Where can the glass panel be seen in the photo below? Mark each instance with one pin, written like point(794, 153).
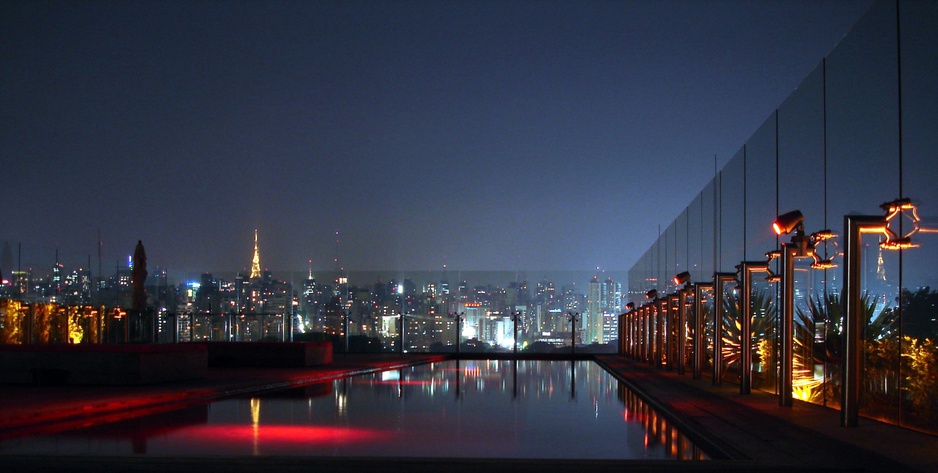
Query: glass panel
point(801, 153)
point(680, 244)
point(669, 259)
point(731, 333)
point(919, 296)
point(732, 215)
point(695, 242)
point(763, 324)
point(705, 310)
point(707, 230)
point(761, 205)
point(863, 172)
point(657, 263)
point(801, 186)
point(689, 331)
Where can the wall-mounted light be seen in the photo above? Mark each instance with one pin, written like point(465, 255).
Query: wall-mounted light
point(682, 278)
point(788, 222)
point(892, 209)
point(651, 294)
point(817, 238)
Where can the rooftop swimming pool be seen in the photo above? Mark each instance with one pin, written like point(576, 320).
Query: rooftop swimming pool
point(454, 409)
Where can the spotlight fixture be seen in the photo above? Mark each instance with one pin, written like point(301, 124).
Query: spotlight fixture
point(786, 223)
point(630, 306)
point(771, 255)
point(651, 294)
point(681, 278)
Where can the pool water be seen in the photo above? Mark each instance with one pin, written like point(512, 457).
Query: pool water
point(454, 409)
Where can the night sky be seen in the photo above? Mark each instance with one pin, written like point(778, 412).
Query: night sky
point(509, 135)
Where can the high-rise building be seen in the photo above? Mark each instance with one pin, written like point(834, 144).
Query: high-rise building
point(611, 304)
point(592, 320)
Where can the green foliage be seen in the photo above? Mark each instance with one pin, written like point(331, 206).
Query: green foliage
point(919, 310)
point(762, 325)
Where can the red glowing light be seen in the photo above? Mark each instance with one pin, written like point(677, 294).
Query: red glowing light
point(284, 435)
point(777, 228)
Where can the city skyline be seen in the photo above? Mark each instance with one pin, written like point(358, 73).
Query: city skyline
point(498, 136)
point(542, 313)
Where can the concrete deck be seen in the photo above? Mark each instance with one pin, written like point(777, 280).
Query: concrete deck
point(754, 428)
point(752, 432)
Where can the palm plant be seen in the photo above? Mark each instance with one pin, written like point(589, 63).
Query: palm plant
point(825, 312)
point(762, 326)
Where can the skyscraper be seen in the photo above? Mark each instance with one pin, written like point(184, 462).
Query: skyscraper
point(593, 321)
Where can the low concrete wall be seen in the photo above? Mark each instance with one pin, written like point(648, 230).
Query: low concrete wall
point(101, 364)
point(268, 354)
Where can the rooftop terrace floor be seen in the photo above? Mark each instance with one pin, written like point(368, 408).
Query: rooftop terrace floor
point(752, 431)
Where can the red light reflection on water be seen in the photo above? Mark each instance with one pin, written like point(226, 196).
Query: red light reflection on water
point(285, 435)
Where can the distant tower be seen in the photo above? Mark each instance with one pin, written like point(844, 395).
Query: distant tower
point(256, 262)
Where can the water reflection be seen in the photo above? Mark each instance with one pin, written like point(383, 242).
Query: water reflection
point(484, 409)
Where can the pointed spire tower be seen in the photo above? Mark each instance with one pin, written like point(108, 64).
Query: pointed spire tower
point(256, 262)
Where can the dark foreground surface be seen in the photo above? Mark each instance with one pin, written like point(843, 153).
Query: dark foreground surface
point(751, 433)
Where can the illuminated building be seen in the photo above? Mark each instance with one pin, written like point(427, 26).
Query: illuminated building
point(256, 261)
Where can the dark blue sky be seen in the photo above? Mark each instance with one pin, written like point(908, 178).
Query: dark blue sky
point(481, 135)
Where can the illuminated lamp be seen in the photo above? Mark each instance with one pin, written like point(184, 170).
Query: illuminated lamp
point(892, 209)
point(824, 264)
point(896, 206)
point(822, 235)
point(771, 255)
point(630, 306)
point(898, 244)
point(651, 294)
point(786, 223)
point(681, 279)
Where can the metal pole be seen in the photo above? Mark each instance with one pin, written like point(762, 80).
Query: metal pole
point(787, 324)
point(681, 329)
point(346, 314)
point(514, 318)
point(573, 334)
point(400, 335)
point(651, 317)
point(630, 332)
point(458, 331)
point(573, 317)
point(659, 330)
point(854, 228)
point(640, 334)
